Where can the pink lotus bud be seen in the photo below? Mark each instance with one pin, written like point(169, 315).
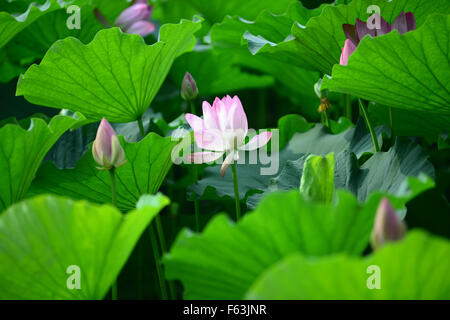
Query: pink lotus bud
point(106, 150)
point(388, 227)
point(189, 89)
point(135, 18)
point(348, 49)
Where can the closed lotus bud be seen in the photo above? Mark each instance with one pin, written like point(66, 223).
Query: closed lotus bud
point(388, 226)
point(106, 150)
point(189, 89)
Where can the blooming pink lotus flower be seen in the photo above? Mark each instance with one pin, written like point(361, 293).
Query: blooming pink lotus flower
point(223, 130)
point(403, 23)
point(107, 151)
point(388, 227)
point(135, 18)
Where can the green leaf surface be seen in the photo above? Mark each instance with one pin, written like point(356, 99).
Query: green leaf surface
point(390, 172)
point(228, 36)
point(411, 123)
point(149, 160)
point(115, 76)
point(252, 180)
point(12, 24)
point(215, 10)
point(215, 73)
point(318, 43)
point(41, 237)
point(226, 258)
point(415, 268)
point(22, 151)
point(408, 71)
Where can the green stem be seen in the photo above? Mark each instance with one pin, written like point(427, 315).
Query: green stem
point(141, 126)
point(159, 273)
point(192, 107)
point(236, 191)
point(391, 123)
point(114, 291)
point(348, 106)
point(162, 242)
point(327, 120)
point(363, 111)
point(195, 174)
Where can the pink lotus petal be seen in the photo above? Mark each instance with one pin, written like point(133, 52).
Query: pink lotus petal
point(195, 122)
point(143, 28)
point(362, 30)
point(404, 22)
point(209, 140)
point(209, 116)
point(350, 33)
point(132, 14)
point(232, 156)
point(220, 109)
point(204, 157)
point(258, 141)
point(237, 117)
point(347, 51)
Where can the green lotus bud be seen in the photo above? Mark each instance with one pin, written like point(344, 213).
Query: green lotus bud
point(189, 89)
point(106, 150)
point(388, 227)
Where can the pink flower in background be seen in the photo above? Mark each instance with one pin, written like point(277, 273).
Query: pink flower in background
point(223, 130)
point(106, 150)
point(135, 18)
point(355, 33)
point(348, 49)
point(388, 227)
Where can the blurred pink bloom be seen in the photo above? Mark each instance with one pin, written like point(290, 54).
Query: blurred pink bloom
point(106, 150)
point(223, 130)
point(348, 49)
point(388, 227)
point(135, 18)
point(355, 33)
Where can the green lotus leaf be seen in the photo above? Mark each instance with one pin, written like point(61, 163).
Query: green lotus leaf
point(115, 76)
point(401, 267)
point(22, 151)
point(47, 242)
point(226, 258)
point(149, 160)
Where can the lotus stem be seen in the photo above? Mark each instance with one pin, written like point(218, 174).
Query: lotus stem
point(156, 256)
point(391, 123)
point(141, 126)
point(236, 191)
point(162, 242)
point(114, 291)
point(369, 125)
point(348, 106)
point(195, 174)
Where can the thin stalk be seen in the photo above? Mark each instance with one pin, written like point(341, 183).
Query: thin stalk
point(391, 123)
point(195, 174)
point(348, 106)
point(363, 111)
point(114, 290)
point(159, 273)
point(141, 126)
point(162, 243)
point(327, 119)
point(236, 191)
